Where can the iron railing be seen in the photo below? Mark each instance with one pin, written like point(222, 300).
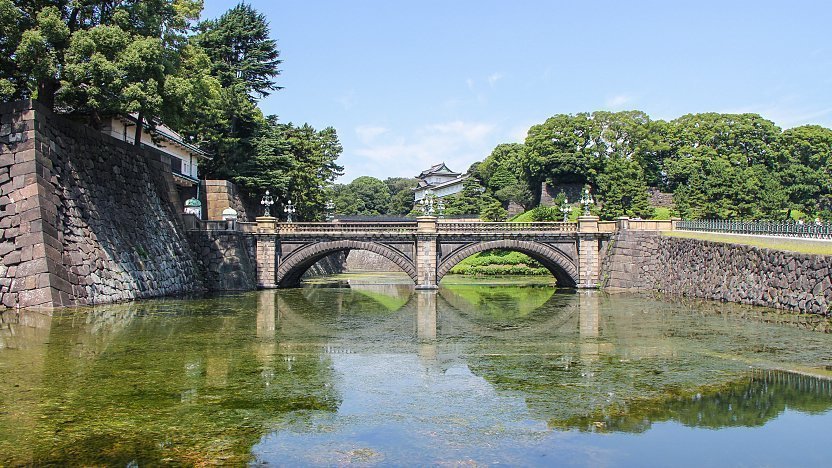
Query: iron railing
point(469, 228)
point(816, 230)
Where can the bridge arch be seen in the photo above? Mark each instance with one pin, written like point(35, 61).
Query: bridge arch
point(558, 263)
point(292, 268)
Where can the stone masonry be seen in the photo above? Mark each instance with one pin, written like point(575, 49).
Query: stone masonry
point(227, 258)
point(719, 271)
point(85, 218)
point(221, 194)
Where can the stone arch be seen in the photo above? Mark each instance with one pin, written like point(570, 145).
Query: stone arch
point(292, 268)
point(558, 263)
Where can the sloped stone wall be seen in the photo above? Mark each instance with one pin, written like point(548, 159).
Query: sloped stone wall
point(227, 259)
point(719, 271)
point(85, 218)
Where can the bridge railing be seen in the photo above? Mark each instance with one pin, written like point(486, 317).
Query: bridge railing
point(347, 228)
point(449, 227)
point(816, 230)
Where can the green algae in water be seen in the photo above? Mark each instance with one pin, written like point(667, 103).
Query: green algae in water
point(374, 374)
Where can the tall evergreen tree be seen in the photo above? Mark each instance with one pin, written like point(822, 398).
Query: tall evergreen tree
point(241, 50)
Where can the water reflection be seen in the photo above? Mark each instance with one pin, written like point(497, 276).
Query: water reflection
point(383, 374)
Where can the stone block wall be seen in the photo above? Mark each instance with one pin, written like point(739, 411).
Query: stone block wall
point(364, 260)
point(227, 259)
point(548, 192)
point(221, 194)
point(85, 218)
point(718, 271)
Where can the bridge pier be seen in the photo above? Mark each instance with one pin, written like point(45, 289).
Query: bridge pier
point(267, 252)
point(589, 252)
point(426, 252)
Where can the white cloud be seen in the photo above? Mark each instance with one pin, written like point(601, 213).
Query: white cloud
point(348, 100)
point(368, 133)
point(494, 78)
point(616, 102)
point(786, 114)
point(457, 143)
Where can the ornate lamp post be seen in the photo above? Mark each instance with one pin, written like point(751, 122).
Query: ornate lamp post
point(267, 202)
point(428, 203)
point(289, 209)
point(440, 208)
point(565, 209)
point(329, 207)
point(586, 201)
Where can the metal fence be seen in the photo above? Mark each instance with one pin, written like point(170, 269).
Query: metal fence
point(816, 230)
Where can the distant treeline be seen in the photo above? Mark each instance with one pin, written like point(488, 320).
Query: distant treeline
point(737, 166)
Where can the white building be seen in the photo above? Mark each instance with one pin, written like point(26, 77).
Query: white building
point(440, 180)
point(184, 156)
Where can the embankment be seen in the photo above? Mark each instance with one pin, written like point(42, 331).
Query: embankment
point(718, 271)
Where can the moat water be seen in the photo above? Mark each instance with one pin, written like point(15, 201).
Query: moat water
point(364, 370)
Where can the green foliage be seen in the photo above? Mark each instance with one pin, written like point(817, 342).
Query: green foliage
point(401, 195)
point(366, 196)
point(499, 262)
point(468, 201)
point(295, 164)
point(623, 190)
point(107, 57)
point(546, 213)
point(724, 166)
point(716, 165)
point(806, 157)
point(492, 210)
point(93, 56)
point(241, 50)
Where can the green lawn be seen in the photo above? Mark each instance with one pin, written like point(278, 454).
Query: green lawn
point(816, 247)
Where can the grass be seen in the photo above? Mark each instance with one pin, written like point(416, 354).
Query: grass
point(816, 247)
point(499, 262)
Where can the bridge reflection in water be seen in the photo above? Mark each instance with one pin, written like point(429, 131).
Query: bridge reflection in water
point(206, 380)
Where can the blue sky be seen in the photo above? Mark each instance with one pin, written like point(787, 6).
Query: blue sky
point(408, 84)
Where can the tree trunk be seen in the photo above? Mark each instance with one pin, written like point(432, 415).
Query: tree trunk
point(137, 139)
point(46, 93)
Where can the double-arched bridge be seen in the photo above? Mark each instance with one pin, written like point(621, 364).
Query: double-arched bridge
point(427, 248)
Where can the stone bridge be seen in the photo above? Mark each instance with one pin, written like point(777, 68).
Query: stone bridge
point(427, 248)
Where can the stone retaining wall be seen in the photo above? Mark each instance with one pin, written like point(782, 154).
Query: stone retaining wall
point(719, 271)
point(227, 259)
point(85, 218)
point(364, 260)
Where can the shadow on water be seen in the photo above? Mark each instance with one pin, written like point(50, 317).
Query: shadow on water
point(206, 380)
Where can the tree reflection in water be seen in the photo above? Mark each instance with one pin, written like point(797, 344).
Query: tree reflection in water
point(203, 381)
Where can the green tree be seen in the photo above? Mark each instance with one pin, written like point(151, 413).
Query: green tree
point(492, 210)
point(622, 190)
point(366, 196)
point(241, 50)
point(401, 195)
point(297, 164)
point(467, 201)
point(722, 166)
point(93, 55)
point(806, 168)
point(245, 61)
